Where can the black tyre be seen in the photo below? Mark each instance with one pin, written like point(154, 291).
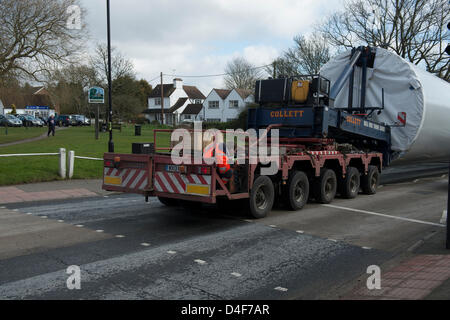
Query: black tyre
point(297, 191)
point(350, 185)
point(369, 182)
point(325, 186)
point(168, 201)
point(262, 196)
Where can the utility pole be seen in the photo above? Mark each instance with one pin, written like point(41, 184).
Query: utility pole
point(162, 99)
point(110, 143)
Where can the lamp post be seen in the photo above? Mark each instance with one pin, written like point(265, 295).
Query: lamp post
point(110, 143)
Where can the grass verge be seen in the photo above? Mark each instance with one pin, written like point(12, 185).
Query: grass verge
point(18, 170)
point(20, 133)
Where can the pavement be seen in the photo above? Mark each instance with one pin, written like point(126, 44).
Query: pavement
point(129, 249)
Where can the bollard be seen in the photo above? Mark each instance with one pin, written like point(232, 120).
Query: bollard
point(62, 163)
point(71, 163)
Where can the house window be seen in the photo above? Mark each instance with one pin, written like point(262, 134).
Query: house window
point(234, 103)
point(213, 104)
point(198, 101)
point(187, 116)
point(157, 101)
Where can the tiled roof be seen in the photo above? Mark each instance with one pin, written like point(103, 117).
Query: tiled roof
point(156, 92)
point(178, 104)
point(192, 108)
point(223, 93)
point(193, 92)
point(244, 93)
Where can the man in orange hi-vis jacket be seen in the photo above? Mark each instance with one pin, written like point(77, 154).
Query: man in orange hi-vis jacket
point(219, 151)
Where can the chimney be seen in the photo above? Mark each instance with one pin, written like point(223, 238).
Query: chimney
point(178, 83)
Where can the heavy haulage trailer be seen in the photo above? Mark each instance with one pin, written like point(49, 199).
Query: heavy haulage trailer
point(323, 151)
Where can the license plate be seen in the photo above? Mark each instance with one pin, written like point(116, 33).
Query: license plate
point(172, 168)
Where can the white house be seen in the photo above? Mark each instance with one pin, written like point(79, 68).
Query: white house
point(223, 105)
point(1, 107)
point(176, 97)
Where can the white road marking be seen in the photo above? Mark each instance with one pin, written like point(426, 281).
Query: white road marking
point(366, 248)
point(15, 210)
point(99, 231)
point(105, 196)
point(29, 213)
point(200, 261)
point(43, 217)
point(300, 231)
point(120, 236)
point(145, 244)
point(281, 289)
point(60, 220)
point(2, 207)
point(415, 181)
point(236, 274)
point(248, 220)
point(334, 240)
point(272, 226)
point(79, 225)
point(171, 252)
point(384, 215)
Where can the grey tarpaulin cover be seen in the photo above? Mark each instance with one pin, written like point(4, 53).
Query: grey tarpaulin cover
point(407, 88)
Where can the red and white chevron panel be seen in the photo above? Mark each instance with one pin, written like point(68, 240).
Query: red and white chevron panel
point(175, 182)
point(129, 178)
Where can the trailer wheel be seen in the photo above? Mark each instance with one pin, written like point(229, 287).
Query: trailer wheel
point(297, 190)
point(369, 182)
point(325, 186)
point(351, 183)
point(262, 197)
point(168, 201)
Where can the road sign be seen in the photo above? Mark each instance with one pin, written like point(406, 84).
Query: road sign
point(96, 95)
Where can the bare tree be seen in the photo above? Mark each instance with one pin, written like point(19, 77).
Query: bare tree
point(36, 34)
point(120, 65)
point(307, 56)
point(241, 74)
point(414, 29)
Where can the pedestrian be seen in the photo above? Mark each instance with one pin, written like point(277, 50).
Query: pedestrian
point(51, 125)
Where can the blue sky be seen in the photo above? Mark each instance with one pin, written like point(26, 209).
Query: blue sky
point(196, 37)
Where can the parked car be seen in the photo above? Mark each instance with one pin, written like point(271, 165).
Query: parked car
point(10, 120)
point(65, 121)
point(28, 121)
point(82, 120)
point(43, 120)
point(37, 122)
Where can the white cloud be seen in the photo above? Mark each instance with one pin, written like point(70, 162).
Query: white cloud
point(199, 36)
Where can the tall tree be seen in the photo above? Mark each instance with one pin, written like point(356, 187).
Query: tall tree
point(307, 56)
point(414, 29)
point(120, 65)
point(241, 74)
point(36, 34)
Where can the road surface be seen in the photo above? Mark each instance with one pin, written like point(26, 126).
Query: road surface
point(129, 249)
